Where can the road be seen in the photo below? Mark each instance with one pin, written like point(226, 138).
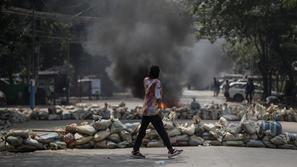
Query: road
point(203, 97)
point(204, 156)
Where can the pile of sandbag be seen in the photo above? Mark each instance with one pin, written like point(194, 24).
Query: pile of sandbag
point(20, 141)
point(211, 112)
point(134, 113)
point(105, 133)
point(9, 116)
point(112, 133)
point(272, 112)
point(79, 111)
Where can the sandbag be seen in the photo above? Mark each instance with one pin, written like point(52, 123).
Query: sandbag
point(155, 144)
point(86, 130)
point(59, 110)
point(102, 124)
point(32, 142)
point(255, 143)
point(182, 138)
point(252, 137)
point(230, 137)
point(126, 136)
point(209, 127)
point(271, 128)
point(117, 126)
point(57, 145)
point(24, 148)
point(188, 130)
point(267, 143)
point(151, 134)
point(222, 121)
point(114, 138)
point(123, 144)
point(291, 138)
point(69, 139)
point(195, 141)
point(133, 127)
point(78, 136)
point(182, 143)
point(19, 133)
point(71, 128)
point(101, 135)
point(249, 126)
point(279, 140)
point(174, 132)
point(111, 145)
point(196, 119)
point(47, 138)
point(173, 140)
point(54, 117)
point(234, 128)
point(14, 140)
point(88, 145)
point(234, 143)
point(168, 125)
point(66, 115)
point(83, 140)
point(101, 144)
point(231, 117)
point(43, 114)
point(214, 142)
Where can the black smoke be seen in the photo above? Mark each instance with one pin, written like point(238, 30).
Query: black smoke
point(135, 34)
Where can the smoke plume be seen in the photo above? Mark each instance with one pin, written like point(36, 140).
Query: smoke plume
point(135, 34)
point(208, 60)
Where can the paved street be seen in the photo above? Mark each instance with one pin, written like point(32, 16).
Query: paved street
point(203, 156)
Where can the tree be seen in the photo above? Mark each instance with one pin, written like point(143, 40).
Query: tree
point(16, 42)
point(264, 24)
point(244, 56)
point(13, 43)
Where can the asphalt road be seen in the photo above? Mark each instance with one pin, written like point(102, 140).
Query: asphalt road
point(204, 156)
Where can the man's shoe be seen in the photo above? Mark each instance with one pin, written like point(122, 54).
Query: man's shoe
point(174, 153)
point(137, 155)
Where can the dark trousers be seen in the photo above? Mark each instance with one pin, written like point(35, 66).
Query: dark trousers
point(249, 96)
point(158, 124)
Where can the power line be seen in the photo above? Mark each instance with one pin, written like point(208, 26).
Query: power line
point(62, 17)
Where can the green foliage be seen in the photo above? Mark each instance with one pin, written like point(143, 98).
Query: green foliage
point(16, 41)
point(244, 56)
point(263, 25)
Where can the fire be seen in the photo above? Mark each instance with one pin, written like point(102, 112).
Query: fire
point(163, 106)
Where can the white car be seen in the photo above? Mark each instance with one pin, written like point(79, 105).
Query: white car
point(237, 91)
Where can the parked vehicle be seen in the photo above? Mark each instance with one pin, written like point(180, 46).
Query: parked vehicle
point(237, 91)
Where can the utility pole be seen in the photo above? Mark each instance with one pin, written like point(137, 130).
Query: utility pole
point(68, 71)
point(33, 76)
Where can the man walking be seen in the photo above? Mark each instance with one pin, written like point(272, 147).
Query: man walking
point(151, 114)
